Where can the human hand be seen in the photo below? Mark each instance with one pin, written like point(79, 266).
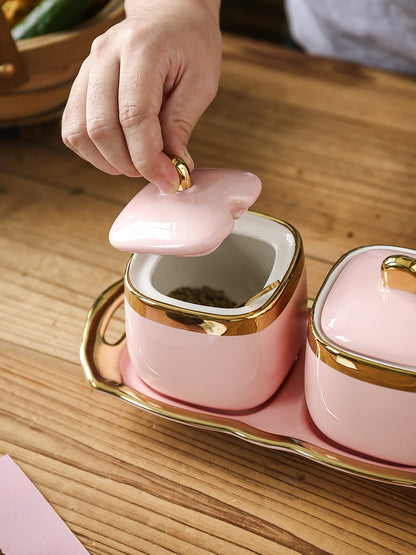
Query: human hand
point(143, 87)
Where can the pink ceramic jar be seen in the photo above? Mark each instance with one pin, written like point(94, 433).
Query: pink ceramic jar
point(360, 369)
point(220, 358)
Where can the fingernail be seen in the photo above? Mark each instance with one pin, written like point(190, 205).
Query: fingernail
point(165, 187)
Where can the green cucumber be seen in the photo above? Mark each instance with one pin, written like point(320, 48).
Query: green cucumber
point(50, 16)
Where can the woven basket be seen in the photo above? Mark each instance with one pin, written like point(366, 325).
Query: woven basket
point(36, 74)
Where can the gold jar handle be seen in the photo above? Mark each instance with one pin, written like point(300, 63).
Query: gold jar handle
point(185, 180)
point(399, 272)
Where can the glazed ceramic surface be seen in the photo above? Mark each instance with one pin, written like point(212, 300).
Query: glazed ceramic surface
point(193, 222)
point(283, 423)
point(360, 371)
point(231, 359)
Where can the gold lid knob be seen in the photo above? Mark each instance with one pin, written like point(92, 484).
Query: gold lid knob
point(399, 272)
point(185, 180)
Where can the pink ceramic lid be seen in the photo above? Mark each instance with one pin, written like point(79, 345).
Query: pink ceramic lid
point(191, 222)
point(368, 305)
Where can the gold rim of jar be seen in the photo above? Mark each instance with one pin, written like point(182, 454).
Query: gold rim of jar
point(218, 324)
point(352, 364)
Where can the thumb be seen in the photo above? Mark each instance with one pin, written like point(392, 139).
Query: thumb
point(180, 113)
point(176, 131)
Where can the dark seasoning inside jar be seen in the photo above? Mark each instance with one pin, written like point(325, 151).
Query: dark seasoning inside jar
point(204, 295)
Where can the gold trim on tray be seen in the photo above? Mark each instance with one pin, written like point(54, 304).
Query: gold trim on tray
point(101, 363)
point(218, 324)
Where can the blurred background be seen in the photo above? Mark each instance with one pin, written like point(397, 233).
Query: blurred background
point(259, 19)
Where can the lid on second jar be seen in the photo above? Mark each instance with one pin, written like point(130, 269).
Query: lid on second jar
point(367, 305)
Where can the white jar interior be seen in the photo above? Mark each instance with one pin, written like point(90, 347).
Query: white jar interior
point(256, 253)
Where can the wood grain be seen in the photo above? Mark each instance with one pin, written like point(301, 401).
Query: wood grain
point(334, 146)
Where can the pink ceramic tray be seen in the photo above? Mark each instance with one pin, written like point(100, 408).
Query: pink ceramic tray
point(282, 423)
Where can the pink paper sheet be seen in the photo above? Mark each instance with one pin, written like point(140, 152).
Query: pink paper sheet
point(28, 524)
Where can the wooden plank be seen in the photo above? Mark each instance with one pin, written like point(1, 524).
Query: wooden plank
point(179, 488)
point(334, 147)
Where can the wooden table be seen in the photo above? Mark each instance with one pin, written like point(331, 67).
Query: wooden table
point(334, 145)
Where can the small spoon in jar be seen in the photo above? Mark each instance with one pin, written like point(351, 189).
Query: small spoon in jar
point(265, 290)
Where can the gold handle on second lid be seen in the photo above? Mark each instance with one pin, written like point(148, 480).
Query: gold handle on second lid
point(185, 180)
point(399, 272)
